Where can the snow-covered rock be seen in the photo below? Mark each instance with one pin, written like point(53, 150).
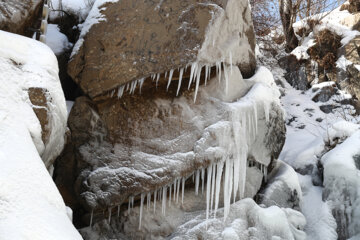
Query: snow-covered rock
point(283, 188)
point(342, 184)
point(246, 221)
point(174, 35)
point(30, 96)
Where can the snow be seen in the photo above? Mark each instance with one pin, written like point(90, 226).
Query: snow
point(30, 205)
point(37, 67)
point(77, 8)
point(56, 40)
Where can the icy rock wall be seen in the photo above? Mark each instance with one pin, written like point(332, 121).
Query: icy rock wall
point(30, 204)
point(342, 185)
point(157, 36)
point(150, 143)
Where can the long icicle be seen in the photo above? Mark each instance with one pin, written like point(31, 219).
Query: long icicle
point(197, 179)
point(91, 217)
point(170, 78)
point(155, 193)
point(212, 187)
point(219, 170)
point(141, 208)
point(198, 75)
point(208, 185)
point(180, 80)
point(192, 72)
point(182, 190)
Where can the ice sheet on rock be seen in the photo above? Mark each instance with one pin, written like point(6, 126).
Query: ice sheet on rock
point(30, 205)
point(220, 135)
point(245, 220)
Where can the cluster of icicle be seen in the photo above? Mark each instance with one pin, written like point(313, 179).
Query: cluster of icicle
point(228, 174)
point(195, 74)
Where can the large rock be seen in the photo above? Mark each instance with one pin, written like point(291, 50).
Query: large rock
point(32, 126)
point(133, 40)
point(17, 16)
point(141, 143)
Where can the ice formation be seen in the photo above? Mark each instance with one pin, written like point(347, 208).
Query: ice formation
point(245, 101)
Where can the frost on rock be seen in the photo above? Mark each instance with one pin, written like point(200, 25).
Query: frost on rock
point(283, 188)
point(165, 142)
point(246, 220)
point(342, 185)
point(30, 204)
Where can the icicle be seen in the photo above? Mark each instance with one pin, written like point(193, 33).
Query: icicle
point(163, 208)
point(218, 70)
point(209, 73)
point(265, 174)
point(197, 178)
point(118, 211)
point(206, 73)
point(198, 74)
point(132, 201)
point(129, 206)
point(170, 78)
point(177, 191)
point(226, 74)
point(231, 65)
point(226, 188)
point(141, 82)
point(212, 187)
point(219, 170)
point(121, 91)
point(182, 190)
point(112, 93)
point(141, 209)
point(192, 72)
point(180, 80)
point(170, 195)
point(133, 86)
point(109, 219)
point(208, 184)
point(91, 217)
point(202, 180)
point(157, 79)
point(148, 201)
point(153, 76)
point(155, 193)
point(127, 86)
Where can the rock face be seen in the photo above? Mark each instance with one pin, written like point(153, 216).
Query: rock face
point(18, 16)
point(166, 100)
point(142, 143)
point(142, 38)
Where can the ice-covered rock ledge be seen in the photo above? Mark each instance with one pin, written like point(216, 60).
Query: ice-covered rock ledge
point(155, 142)
point(32, 127)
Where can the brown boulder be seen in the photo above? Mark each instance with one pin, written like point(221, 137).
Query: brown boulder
point(142, 38)
point(17, 16)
